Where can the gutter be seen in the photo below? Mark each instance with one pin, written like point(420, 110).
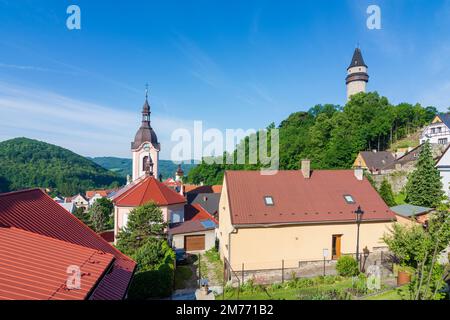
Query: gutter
point(269, 225)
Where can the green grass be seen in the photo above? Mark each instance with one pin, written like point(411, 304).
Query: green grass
point(393, 294)
point(182, 274)
point(283, 293)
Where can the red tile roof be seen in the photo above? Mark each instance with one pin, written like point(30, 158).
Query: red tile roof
point(34, 211)
point(319, 199)
point(103, 192)
point(34, 267)
point(147, 190)
point(190, 188)
point(197, 212)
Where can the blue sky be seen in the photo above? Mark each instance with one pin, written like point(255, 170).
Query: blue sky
point(232, 64)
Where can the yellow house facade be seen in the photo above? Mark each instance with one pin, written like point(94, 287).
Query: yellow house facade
point(306, 227)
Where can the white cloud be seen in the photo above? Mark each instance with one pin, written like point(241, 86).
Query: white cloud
point(86, 128)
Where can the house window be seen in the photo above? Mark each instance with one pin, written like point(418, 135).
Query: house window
point(439, 130)
point(125, 220)
point(442, 141)
point(433, 130)
point(349, 199)
point(268, 200)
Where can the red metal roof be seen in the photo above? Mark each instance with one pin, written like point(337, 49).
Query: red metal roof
point(34, 211)
point(319, 199)
point(34, 267)
point(147, 190)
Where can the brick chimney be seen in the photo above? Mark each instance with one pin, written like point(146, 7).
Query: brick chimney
point(359, 173)
point(306, 168)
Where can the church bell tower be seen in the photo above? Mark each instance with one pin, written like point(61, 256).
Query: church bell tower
point(145, 147)
point(357, 76)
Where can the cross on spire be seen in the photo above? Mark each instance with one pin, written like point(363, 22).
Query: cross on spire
point(146, 90)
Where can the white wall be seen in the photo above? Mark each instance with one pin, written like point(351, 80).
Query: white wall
point(435, 132)
point(177, 240)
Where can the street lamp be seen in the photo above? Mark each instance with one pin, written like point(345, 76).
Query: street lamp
point(359, 212)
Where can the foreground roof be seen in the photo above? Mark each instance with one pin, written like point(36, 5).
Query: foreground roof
point(34, 267)
point(34, 211)
point(147, 190)
point(409, 210)
point(319, 199)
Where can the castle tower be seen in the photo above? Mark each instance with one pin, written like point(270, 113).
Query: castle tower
point(179, 174)
point(145, 147)
point(357, 76)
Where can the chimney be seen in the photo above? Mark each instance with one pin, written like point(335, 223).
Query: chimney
point(306, 168)
point(359, 173)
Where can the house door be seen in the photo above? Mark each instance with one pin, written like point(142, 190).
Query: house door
point(194, 243)
point(336, 247)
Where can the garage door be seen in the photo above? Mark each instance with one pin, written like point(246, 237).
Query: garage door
point(194, 243)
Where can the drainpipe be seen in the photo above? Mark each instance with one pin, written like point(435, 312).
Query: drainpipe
point(234, 231)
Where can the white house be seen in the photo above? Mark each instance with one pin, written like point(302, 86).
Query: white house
point(443, 165)
point(438, 132)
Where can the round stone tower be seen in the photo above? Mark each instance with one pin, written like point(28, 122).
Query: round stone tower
point(357, 76)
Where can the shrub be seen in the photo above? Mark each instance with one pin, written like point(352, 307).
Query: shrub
point(153, 281)
point(347, 266)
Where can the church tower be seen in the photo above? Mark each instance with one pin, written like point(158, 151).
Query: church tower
point(357, 76)
point(145, 147)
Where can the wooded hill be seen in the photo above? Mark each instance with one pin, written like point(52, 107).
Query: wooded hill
point(27, 163)
point(331, 136)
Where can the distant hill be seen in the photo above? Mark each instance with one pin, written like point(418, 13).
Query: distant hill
point(122, 166)
point(27, 163)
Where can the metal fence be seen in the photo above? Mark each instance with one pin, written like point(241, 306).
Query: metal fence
point(269, 272)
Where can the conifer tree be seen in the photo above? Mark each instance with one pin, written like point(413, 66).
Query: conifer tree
point(424, 187)
point(386, 193)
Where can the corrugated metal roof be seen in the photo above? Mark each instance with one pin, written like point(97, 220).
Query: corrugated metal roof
point(147, 190)
point(34, 267)
point(319, 199)
point(33, 210)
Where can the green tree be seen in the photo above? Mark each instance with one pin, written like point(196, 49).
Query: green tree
point(418, 247)
point(83, 215)
point(101, 215)
point(386, 193)
point(424, 186)
point(144, 222)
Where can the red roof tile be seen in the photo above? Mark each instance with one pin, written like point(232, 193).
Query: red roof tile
point(103, 192)
point(196, 212)
point(34, 267)
point(190, 188)
point(319, 199)
point(147, 190)
point(34, 211)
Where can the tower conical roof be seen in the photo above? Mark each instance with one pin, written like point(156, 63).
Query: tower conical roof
point(357, 59)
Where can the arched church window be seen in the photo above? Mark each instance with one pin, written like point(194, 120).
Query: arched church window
point(144, 161)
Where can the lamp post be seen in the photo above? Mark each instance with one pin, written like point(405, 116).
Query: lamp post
point(359, 212)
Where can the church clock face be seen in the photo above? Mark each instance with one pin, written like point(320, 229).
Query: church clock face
point(146, 147)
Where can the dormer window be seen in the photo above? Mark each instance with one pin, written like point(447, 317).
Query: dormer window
point(349, 199)
point(268, 200)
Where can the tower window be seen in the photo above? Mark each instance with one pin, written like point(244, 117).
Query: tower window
point(144, 161)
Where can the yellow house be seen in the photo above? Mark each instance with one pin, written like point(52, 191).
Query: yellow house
point(296, 216)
